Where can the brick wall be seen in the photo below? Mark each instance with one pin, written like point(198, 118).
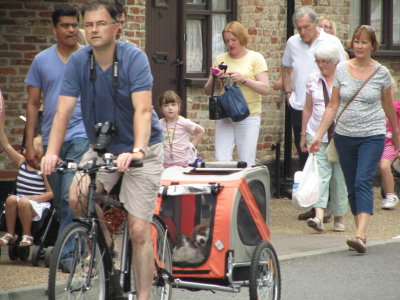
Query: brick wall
point(25, 30)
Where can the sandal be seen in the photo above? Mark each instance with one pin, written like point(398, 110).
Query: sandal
point(8, 239)
point(316, 224)
point(357, 243)
point(27, 240)
point(339, 227)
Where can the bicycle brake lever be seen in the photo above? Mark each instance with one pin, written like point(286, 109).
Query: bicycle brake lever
point(136, 164)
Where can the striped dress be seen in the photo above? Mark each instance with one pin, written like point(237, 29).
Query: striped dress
point(30, 183)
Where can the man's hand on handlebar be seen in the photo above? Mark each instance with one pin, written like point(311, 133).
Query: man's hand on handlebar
point(124, 160)
point(49, 163)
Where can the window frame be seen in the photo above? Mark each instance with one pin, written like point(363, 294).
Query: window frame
point(203, 12)
point(386, 47)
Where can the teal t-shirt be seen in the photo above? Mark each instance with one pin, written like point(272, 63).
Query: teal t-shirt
point(101, 102)
point(46, 73)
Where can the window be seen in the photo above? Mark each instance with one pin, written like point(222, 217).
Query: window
point(205, 20)
point(384, 16)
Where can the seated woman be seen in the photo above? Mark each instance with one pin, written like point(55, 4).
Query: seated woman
point(33, 192)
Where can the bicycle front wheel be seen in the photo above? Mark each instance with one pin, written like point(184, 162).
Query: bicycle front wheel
point(73, 273)
point(162, 288)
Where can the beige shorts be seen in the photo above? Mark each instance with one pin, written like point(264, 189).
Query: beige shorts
point(139, 186)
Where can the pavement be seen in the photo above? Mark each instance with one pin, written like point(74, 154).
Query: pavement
point(287, 246)
point(291, 239)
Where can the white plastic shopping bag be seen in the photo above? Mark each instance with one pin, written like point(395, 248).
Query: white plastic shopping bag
point(306, 185)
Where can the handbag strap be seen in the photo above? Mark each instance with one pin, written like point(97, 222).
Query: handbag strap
point(326, 95)
point(213, 84)
point(326, 100)
point(358, 91)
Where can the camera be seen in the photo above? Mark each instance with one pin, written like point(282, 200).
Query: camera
point(223, 67)
point(104, 132)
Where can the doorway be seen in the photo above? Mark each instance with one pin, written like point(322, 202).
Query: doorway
point(164, 47)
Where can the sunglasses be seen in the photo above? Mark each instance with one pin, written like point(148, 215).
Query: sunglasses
point(368, 27)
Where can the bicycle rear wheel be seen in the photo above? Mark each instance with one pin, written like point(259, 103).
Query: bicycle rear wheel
point(72, 276)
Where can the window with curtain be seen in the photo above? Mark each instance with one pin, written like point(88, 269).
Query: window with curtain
point(205, 20)
point(384, 16)
point(218, 24)
point(355, 15)
point(376, 17)
point(194, 46)
point(396, 22)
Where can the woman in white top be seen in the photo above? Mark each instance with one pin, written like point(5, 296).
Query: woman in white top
point(332, 180)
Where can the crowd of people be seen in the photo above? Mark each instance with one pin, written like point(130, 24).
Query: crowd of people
point(78, 87)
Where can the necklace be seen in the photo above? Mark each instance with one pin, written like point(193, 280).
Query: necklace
point(171, 137)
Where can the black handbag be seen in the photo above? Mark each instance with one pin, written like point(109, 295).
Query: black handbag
point(215, 109)
point(234, 103)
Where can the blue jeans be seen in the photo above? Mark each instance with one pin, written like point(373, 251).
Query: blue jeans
point(359, 157)
point(60, 183)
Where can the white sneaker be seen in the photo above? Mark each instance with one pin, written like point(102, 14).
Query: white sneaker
point(390, 201)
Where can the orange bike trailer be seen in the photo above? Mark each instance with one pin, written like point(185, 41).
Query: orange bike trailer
point(215, 218)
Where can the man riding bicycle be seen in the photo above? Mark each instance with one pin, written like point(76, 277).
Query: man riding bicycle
point(115, 82)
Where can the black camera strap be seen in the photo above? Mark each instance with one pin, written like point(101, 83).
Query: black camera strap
point(115, 81)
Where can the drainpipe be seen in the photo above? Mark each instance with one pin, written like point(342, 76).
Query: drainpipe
point(287, 179)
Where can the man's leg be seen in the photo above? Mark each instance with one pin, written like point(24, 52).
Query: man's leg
point(63, 212)
point(143, 258)
point(73, 150)
point(296, 125)
point(138, 193)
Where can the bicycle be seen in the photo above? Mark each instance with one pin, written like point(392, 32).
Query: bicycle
point(92, 272)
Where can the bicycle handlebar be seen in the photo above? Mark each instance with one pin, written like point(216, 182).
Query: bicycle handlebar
point(109, 165)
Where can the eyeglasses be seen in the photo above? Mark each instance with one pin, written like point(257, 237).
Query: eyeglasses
point(322, 61)
point(326, 26)
point(67, 25)
point(99, 24)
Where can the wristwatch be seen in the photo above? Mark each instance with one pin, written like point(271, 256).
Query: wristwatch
point(137, 150)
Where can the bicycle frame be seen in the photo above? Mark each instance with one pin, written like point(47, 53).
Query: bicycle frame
point(87, 234)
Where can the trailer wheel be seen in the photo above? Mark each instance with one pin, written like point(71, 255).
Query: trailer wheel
point(265, 276)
